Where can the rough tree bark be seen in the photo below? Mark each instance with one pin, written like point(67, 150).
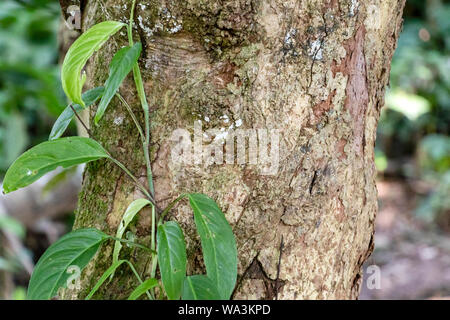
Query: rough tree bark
point(316, 70)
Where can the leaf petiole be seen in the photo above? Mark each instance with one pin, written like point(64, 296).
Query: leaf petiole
point(110, 271)
point(169, 207)
point(134, 244)
point(133, 116)
point(136, 181)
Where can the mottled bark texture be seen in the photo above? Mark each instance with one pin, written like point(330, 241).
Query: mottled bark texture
point(314, 69)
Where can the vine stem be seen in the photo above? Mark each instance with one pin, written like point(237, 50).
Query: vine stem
point(145, 142)
point(133, 116)
point(117, 162)
point(153, 248)
point(141, 93)
point(79, 119)
point(153, 244)
point(136, 181)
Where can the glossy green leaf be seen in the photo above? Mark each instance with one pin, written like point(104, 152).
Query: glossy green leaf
point(74, 249)
point(79, 53)
point(200, 287)
point(142, 288)
point(171, 250)
point(218, 243)
point(103, 278)
point(128, 216)
point(48, 156)
point(121, 65)
point(63, 121)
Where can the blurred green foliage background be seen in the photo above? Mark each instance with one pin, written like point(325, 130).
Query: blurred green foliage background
point(30, 91)
point(413, 134)
point(413, 143)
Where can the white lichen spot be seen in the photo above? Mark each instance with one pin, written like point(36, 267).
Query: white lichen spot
point(146, 29)
point(238, 123)
point(353, 8)
point(175, 28)
point(207, 119)
point(221, 136)
point(315, 50)
point(289, 40)
point(143, 6)
point(171, 23)
point(166, 22)
point(118, 120)
point(225, 118)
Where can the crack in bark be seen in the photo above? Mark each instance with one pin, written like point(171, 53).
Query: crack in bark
point(256, 271)
point(278, 286)
point(313, 181)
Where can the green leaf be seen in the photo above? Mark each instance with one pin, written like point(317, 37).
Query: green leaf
point(104, 276)
point(218, 243)
point(63, 121)
point(74, 249)
point(171, 250)
point(121, 64)
point(48, 156)
point(200, 287)
point(142, 288)
point(128, 216)
point(79, 53)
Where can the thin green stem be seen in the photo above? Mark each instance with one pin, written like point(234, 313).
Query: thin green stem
point(136, 181)
point(153, 246)
point(133, 116)
point(154, 265)
point(139, 278)
point(141, 93)
point(81, 121)
point(145, 141)
point(134, 244)
point(130, 23)
point(153, 240)
point(169, 207)
point(110, 270)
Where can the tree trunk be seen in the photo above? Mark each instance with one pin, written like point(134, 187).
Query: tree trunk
point(314, 70)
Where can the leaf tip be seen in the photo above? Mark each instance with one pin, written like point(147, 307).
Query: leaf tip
point(5, 189)
point(96, 119)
